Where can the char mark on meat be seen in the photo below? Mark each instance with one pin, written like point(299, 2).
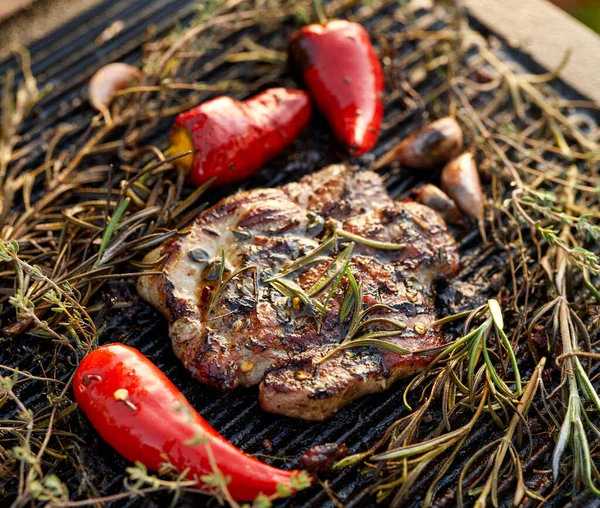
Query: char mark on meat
point(251, 297)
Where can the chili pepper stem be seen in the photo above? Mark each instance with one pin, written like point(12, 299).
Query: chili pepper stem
point(180, 142)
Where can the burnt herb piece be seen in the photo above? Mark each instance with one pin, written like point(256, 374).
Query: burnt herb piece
point(223, 283)
point(199, 255)
point(241, 234)
point(212, 232)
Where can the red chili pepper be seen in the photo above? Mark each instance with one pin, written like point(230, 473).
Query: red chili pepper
point(142, 415)
point(231, 140)
point(345, 78)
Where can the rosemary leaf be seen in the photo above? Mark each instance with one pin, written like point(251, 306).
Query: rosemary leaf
point(399, 325)
point(584, 381)
point(347, 305)
point(373, 308)
point(454, 317)
point(350, 460)
point(346, 258)
point(304, 260)
point(217, 293)
point(376, 335)
point(336, 268)
point(356, 291)
point(368, 340)
point(473, 357)
point(291, 290)
point(111, 227)
point(500, 384)
point(407, 451)
point(513, 359)
point(496, 313)
point(376, 244)
point(563, 437)
point(446, 349)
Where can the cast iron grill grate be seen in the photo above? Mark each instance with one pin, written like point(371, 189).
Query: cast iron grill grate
point(68, 58)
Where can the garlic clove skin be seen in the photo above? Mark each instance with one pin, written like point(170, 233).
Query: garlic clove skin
point(460, 180)
point(436, 199)
point(432, 146)
point(107, 81)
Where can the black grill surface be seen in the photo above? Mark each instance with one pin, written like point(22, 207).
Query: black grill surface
point(66, 59)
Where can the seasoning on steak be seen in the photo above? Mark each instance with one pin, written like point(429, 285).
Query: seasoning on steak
point(237, 317)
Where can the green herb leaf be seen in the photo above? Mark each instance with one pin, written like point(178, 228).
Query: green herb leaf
point(111, 228)
point(369, 340)
point(376, 244)
point(496, 313)
point(306, 259)
point(332, 272)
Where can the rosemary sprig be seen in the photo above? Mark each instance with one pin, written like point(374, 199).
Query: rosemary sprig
point(331, 241)
point(352, 302)
point(110, 229)
point(576, 424)
point(346, 261)
point(305, 260)
point(371, 339)
point(224, 283)
point(331, 277)
point(293, 290)
point(333, 271)
point(404, 457)
point(375, 244)
point(501, 447)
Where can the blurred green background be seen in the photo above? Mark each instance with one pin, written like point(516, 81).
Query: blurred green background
point(586, 11)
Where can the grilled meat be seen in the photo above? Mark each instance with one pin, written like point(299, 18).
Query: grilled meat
point(320, 458)
point(251, 297)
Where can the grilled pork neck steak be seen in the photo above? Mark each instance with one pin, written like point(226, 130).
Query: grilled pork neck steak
point(251, 296)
